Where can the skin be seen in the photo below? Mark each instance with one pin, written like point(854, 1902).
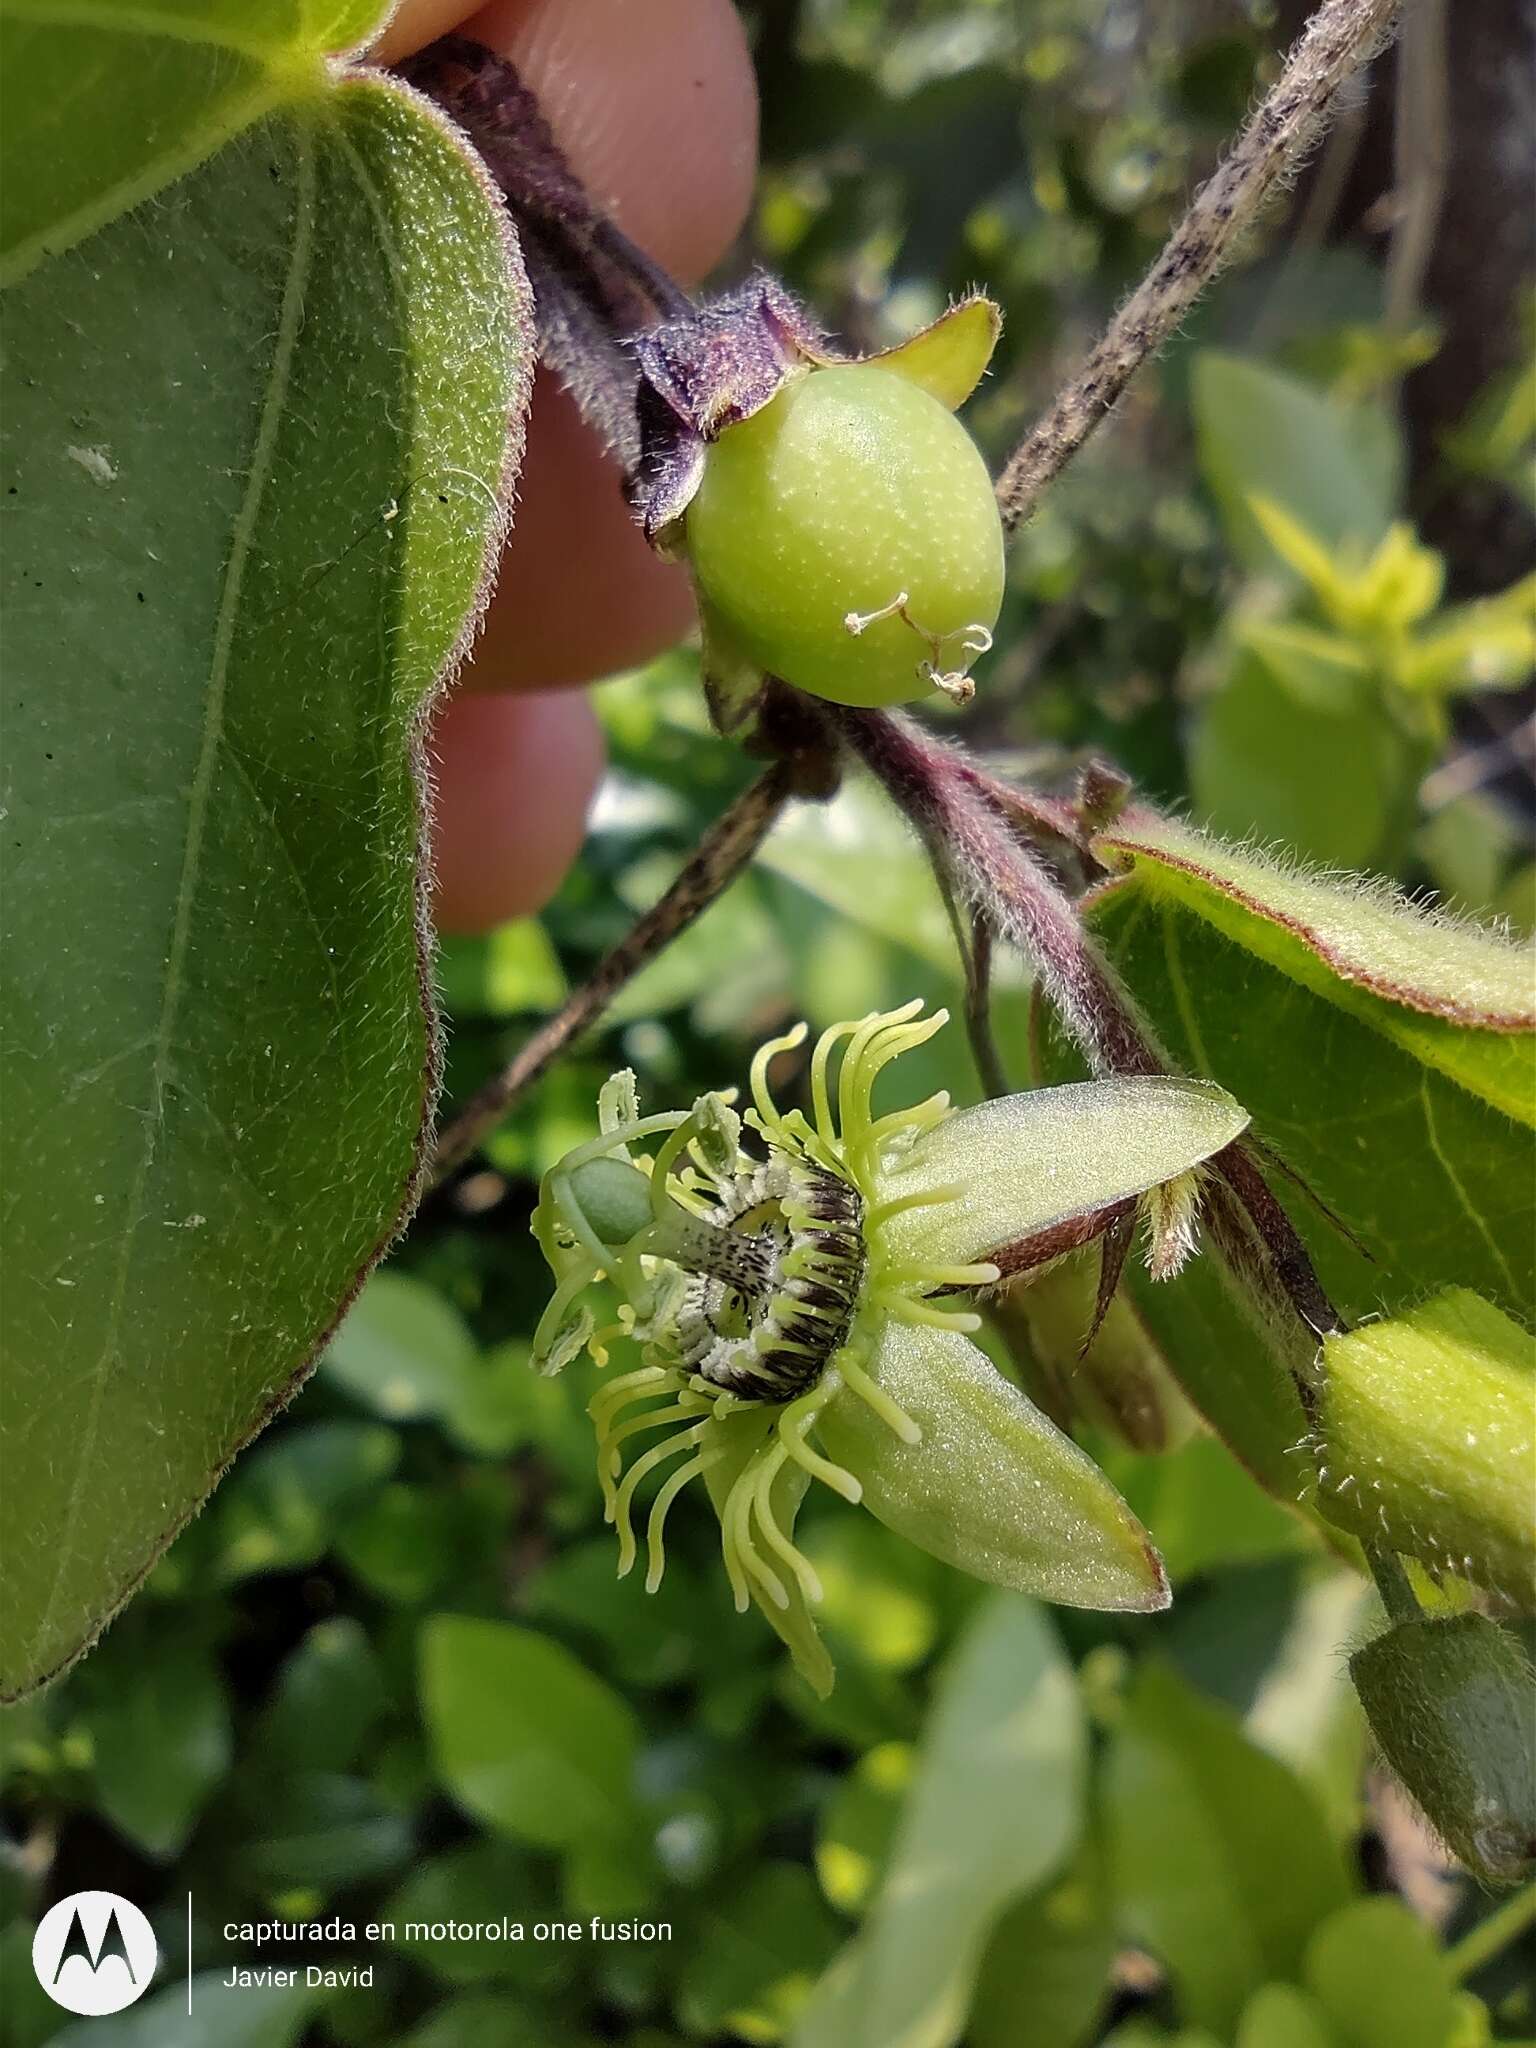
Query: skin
point(655, 106)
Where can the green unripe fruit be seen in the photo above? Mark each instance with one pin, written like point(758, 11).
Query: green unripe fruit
point(1449, 1703)
point(848, 538)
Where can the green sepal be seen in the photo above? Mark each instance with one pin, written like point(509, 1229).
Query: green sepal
point(1023, 1162)
point(1426, 1440)
point(948, 358)
point(1449, 1703)
point(991, 1486)
point(732, 680)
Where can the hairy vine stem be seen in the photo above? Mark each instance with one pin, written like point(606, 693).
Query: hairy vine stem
point(1340, 37)
point(964, 818)
point(722, 853)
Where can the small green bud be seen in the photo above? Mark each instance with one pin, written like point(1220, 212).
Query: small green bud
point(1450, 1705)
point(1426, 1441)
point(614, 1197)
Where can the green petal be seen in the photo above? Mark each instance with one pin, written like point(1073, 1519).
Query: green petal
point(992, 1486)
point(1026, 1161)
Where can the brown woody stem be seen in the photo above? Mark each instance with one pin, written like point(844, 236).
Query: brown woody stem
point(1340, 37)
point(724, 850)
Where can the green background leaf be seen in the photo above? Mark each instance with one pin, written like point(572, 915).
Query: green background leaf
point(101, 105)
point(1222, 1862)
point(254, 450)
point(1264, 433)
point(524, 1737)
point(994, 1808)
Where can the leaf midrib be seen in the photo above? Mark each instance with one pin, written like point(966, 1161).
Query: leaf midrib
point(241, 545)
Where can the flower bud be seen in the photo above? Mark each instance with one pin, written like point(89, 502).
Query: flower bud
point(1117, 1382)
point(614, 1197)
point(1426, 1442)
point(1450, 1705)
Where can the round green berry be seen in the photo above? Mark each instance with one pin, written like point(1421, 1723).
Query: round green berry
point(847, 537)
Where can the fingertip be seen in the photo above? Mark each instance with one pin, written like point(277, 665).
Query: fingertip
point(655, 106)
point(514, 777)
point(580, 593)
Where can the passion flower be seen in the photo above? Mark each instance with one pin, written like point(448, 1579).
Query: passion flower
point(800, 1310)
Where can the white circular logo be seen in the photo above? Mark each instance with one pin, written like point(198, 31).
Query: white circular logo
point(94, 1953)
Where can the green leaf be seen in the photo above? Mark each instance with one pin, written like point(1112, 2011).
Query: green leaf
point(1458, 995)
point(159, 1724)
point(525, 1739)
point(1045, 1977)
point(484, 2020)
point(1337, 469)
point(1376, 1971)
point(255, 443)
point(1487, 645)
point(1334, 779)
point(101, 106)
point(991, 1485)
point(403, 1542)
point(1283, 2016)
point(508, 972)
point(858, 857)
point(1203, 1510)
point(756, 1953)
point(858, 1825)
point(1304, 1710)
point(481, 1885)
point(222, 2016)
point(403, 1351)
point(878, 1594)
point(1221, 1860)
point(995, 1806)
point(282, 1506)
point(1321, 671)
point(1369, 1061)
point(327, 1699)
point(318, 1831)
point(1426, 1440)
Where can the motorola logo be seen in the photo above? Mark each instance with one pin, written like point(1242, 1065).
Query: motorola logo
point(94, 1953)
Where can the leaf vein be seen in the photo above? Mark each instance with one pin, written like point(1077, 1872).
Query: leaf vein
point(1476, 1214)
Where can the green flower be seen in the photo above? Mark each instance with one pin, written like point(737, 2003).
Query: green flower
point(800, 1310)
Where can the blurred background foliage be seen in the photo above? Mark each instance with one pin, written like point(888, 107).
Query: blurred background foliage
point(389, 1674)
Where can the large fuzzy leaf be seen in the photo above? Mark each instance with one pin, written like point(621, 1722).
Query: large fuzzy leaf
point(256, 445)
